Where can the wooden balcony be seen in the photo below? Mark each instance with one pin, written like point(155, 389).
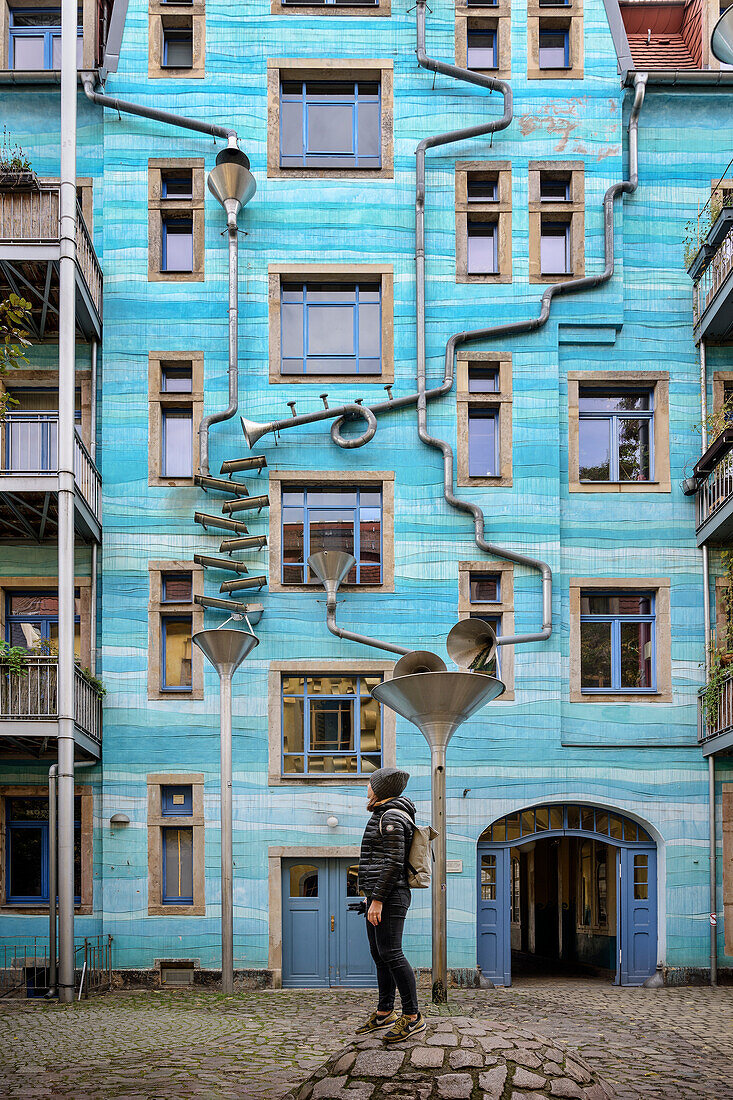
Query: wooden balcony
point(714, 476)
point(29, 710)
point(29, 482)
point(30, 250)
point(715, 724)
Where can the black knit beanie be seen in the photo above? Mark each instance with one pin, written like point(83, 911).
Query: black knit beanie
point(388, 782)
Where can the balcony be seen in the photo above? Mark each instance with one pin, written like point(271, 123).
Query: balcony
point(29, 481)
point(29, 709)
point(715, 724)
point(714, 476)
point(30, 250)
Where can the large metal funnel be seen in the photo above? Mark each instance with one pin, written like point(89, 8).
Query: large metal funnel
point(225, 648)
point(438, 702)
point(721, 40)
point(231, 181)
point(331, 566)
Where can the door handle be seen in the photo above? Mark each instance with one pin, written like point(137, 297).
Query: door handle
point(333, 923)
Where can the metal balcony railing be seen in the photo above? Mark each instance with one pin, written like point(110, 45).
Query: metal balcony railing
point(712, 721)
point(715, 489)
point(33, 696)
point(713, 277)
point(25, 965)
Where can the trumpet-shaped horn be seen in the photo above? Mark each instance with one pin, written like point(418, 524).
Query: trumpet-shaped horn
point(420, 660)
point(254, 431)
point(353, 411)
point(472, 645)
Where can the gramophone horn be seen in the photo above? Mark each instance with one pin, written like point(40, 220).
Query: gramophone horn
point(472, 645)
point(420, 660)
point(254, 431)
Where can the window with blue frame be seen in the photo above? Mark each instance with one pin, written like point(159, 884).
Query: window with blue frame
point(177, 252)
point(481, 49)
point(176, 378)
point(617, 642)
point(483, 379)
point(325, 519)
point(554, 248)
point(328, 3)
point(330, 124)
point(26, 850)
point(480, 188)
point(176, 801)
point(554, 188)
point(177, 46)
point(177, 865)
point(177, 184)
point(484, 587)
point(32, 620)
point(175, 647)
point(482, 257)
point(176, 587)
point(554, 48)
point(176, 442)
point(331, 724)
point(483, 442)
point(331, 328)
point(35, 39)
point(616, 435)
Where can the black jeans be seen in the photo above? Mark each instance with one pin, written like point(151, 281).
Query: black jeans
point(393, 969)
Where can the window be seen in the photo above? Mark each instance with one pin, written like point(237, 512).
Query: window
point(176, 379)
point(26, 850)
point(331, 723)
point(31, 429)
point(482, 248)
point(554, 189)
point(483, 38)
point(177, 39)
point(177, 185)
point(493, 668)
point(554, 49)
point(329, 4)
point(553, 3)
point(174, 664)
point(481, 3)
point(593, 883)
point(176, 643)
point(176, 220)
point(177, 244)
point(176, 845)
point(324, 519)
point(617, 642)
point(32, 620)
point(177, 47)
point(176, 801)
point(616, 432)
point(35, 39)
point(481, 190)
point(332, 7)
point(483, 379)
point(176, 587)
point(177, 866)
point(586, 884)
point(483, 457)
point(485, 587)
point(483, 222)
point(330, 124)
point(331, 328)
point(484, 407)
point(641, 877)
point(555, 248)
point(481, 49)
point(486, 592)
point(488, 878)
point(175, 408)
point(177, 443)
point(515, 900)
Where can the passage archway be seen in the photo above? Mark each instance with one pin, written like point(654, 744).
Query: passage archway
point(567, 887)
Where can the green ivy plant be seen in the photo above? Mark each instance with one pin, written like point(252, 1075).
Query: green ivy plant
point(13, 659)
point(15, 314)
point(721, 655)
point(47, 647)
point(697, 229)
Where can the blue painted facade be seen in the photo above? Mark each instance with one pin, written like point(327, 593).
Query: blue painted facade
point(641, 759)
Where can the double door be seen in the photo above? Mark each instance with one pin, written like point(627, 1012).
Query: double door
point(324, 942)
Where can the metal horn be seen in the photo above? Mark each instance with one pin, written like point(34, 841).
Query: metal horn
point(254, 431)
point(420, 660)
point(472, 645)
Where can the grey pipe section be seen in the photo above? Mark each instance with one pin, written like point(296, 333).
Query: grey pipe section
point(230, 410)
point(713, 873)
point(52, 879)
point(351, 636)
point(93, 403)
point(157, 115)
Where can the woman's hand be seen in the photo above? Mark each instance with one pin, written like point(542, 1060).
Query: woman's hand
point(374, 915)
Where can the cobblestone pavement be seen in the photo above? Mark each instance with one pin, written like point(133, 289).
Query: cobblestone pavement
point(668, 1044)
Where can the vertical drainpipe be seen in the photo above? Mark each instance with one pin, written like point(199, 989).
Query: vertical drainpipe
point(93, 600)
point(52, 879)
point(67, 339)
point(712, 825)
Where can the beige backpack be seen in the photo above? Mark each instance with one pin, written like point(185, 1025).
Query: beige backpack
point(420, 857)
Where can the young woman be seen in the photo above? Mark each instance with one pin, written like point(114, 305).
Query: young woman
point(384, 849)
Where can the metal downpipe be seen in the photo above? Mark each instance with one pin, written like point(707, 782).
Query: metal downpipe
point(52, 878)
point(364, 639)
point(233, 371)
point(169, 117)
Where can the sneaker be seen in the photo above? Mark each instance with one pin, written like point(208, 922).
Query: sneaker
point(405, 1029)
point(377, 1023)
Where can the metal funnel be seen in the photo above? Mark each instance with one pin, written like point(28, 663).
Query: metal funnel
point(438, 702)
point(721, 40)
point(331, 566)
point(231, 182)
point(472, 644)
point(225, 648)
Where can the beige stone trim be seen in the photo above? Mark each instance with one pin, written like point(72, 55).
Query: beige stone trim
point(570, 17)
point(86, 793)
point(158, 400)
point(498, 19)
point(504, 608)
point(275, 856)
point(728, 866)
point(275, 776)
point(382, 9)
point(156, 823)
point(501, 401)
point(499, 212)
point(189, 16)
point(383, 479)
point(571, 213)
point(660, 586)
point(658, 382)
point(329, 69)
point(158, 208)
point(332, 273)
point(84, 584)
point(156, 610)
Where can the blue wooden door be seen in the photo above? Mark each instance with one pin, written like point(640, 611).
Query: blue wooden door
point(305, 914)
point(494, 945)
point(351, 962)
point(637, 914)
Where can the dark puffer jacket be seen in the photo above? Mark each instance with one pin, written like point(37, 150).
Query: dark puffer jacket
point(383, 854)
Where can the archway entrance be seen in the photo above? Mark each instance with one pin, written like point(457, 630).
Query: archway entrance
point(567, 888)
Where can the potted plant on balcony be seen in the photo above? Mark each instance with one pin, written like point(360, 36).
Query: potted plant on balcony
point(15, 167)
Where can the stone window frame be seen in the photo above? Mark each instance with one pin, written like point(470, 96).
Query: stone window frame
point(84, 584)
point(727, 855)
point(382, 9)
point(26, 790)
point(314, 478)
point(156, 822)
point(343, 68)
point(158, 208)
point(501, 400)
point(720, 377)
point(499, 212)
point(496, 17)
point(569, 17)
point(276, 671)
point(333, 273)
point(658, 382)
point(49, 380)
point(158, 400)
point(89, 30)
point(503, 608)
point(156, 609)
point(661, 587)
point(183, 14)
point(571, 212)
